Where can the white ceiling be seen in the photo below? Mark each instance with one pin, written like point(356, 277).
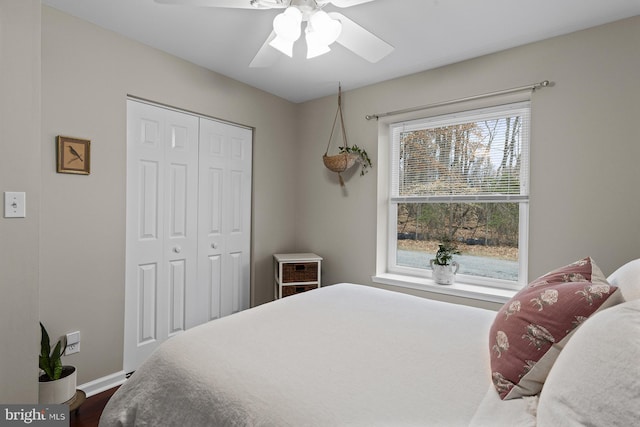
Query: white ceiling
point(425, 33)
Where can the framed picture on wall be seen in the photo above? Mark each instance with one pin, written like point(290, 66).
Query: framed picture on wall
point(74, 155)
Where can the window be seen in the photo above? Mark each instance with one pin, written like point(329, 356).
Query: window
point(464, 177)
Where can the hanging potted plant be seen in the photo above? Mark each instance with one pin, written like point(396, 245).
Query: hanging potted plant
point(57, 383)
point(443, 266)
point(348, 156)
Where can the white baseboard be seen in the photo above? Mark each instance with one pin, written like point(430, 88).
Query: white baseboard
point(101, 384)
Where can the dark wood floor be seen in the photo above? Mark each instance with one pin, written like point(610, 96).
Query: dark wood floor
point(90, 411)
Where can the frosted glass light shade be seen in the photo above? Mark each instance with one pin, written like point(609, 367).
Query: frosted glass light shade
point(287, 24)
point(287, 28)
point(327, 28)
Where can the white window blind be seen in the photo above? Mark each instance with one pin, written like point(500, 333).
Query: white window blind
point(478, 155)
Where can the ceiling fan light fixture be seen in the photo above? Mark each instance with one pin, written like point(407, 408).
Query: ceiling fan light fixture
point(321, 30)
point(329, 29)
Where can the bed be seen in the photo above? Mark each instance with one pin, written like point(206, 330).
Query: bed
point(342, 355)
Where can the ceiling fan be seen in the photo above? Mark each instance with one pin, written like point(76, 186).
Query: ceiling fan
point(321, 30)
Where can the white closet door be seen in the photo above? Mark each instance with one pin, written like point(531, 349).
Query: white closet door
point(188, 224)
point(161, 265)
point(224, 219)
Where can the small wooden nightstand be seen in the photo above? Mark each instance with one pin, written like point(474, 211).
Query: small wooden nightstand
point(296, 273)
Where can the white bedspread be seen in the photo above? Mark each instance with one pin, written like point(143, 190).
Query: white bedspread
point(344, 355)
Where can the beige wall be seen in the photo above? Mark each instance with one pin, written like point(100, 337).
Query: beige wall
point(584, 152)
point(87, 73)
point(19, 171)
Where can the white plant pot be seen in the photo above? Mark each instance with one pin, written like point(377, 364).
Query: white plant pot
point(58, 391)
point(444, 274)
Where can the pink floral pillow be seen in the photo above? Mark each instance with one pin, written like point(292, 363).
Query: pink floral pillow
point(532, 328)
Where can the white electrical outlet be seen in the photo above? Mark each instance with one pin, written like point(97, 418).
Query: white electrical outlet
point(72, 348)
point(73, 343)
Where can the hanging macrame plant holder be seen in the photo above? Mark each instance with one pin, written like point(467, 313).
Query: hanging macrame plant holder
point(339, 162)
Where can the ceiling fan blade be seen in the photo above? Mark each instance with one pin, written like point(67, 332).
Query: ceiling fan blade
point(267, 55)
point(234, 4)
point(348, 3)
point(361, 41)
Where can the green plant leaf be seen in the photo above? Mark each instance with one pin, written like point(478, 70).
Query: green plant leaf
point(56, 362)
point(445, 253)
point(44, 365)
point(363, 157)
point(45, 347)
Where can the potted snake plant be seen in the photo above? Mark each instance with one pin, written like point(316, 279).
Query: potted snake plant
point(57, 382)
point(443, 266)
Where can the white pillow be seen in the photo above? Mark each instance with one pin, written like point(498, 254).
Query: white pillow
point(627, 278)
point(596, 379)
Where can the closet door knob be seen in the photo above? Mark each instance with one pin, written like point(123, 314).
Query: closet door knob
point(214, 246)
point(177, 249)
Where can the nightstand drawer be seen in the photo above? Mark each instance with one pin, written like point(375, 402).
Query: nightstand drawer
point(289, 290)
point(300, 272)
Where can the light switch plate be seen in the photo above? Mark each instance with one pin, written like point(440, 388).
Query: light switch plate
point(14, 204)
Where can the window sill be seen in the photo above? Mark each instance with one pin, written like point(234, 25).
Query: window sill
point(482, 293)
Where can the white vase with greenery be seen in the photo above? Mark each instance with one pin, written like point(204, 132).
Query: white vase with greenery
point(443, 266)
